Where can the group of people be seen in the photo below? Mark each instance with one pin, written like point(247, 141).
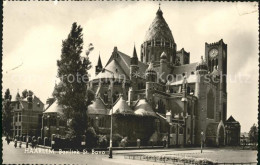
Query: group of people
point(33, 143)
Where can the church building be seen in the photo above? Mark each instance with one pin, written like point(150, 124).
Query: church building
point(161, 95)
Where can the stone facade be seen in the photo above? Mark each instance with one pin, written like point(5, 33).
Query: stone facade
point(188, 100)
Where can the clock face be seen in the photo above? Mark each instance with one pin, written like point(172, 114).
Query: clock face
point(213, 53)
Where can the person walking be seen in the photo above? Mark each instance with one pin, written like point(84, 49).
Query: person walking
point(34, 143)
point(15, 142)
point(20, 144)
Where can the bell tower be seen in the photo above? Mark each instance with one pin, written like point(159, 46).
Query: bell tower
point(216, 57)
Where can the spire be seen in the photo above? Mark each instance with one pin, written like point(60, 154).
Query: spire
point(159, 11)
point(99, 62)
point(134, 58)
point(134, 53)
point(99, 66)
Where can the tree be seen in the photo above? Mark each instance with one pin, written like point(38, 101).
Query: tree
point(72, 92)
point(25, 93)
point(253, 134)
point(6, 114)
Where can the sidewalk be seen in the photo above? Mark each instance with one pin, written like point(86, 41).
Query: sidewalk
point(30, 145)
point(121, 160)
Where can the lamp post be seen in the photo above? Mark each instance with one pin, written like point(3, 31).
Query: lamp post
point(111, 136)
point(111, 127)
point(201, 141)
point(202, 133)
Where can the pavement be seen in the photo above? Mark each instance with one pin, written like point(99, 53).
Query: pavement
point(12, 155)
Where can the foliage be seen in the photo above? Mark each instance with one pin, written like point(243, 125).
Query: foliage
point(116, 139)
point(253, 134)
point(72, 92)
point(102, 141)
point(6, 113)
point(25, 93)
point(91, 138)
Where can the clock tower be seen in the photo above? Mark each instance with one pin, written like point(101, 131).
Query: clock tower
point(216, 57)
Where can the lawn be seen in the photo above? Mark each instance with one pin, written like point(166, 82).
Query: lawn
point(226, 156)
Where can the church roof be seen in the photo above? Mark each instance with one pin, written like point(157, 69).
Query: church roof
point(189, 79)
point(176, 106)
point(99, 62)
point(231, 120)
point(143, 108)
point(188, 68)
point(122, 63)
point(159, 29)
point(97, 107)
point(113, 69)
point(54, 108)
point(121, 107)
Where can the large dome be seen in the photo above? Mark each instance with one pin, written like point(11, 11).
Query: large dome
point(159, 29)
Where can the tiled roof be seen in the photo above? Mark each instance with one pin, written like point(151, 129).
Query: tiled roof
point(159, 29)
point(114, 67)
point(122, 64)
point(143, 108)
point(231, 119)
point(97, 107)
point(176, 106)
point(121, 107)
point(54, 108)
point(187, 69)
point(190, 79)
point(127, 60)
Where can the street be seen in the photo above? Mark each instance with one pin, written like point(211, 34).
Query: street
point(12, 155)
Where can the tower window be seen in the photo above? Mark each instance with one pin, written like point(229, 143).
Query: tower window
point(210, 105)
point(157, 43)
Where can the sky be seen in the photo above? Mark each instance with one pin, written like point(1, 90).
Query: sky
point(33, 34)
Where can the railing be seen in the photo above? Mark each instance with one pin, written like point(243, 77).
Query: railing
point(236, 163)
point(179, 160)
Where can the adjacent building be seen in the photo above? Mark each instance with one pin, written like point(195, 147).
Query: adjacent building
point(27, 115)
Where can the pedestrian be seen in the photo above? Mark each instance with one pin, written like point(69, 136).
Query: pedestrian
point(15, 142)
point(20, 145)
point(34, 142)
point(8, 140)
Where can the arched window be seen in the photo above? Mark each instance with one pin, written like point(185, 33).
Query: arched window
point(105, 97)
point(161, 107)
point(210, 105)
point(115, 96)
point(188, 90)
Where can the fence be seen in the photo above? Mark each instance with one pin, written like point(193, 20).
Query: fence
point(180, 160)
